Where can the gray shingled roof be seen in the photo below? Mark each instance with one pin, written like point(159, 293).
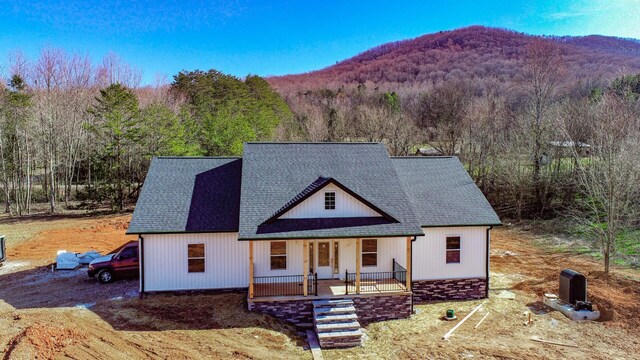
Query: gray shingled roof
point(275, 173)
point(183, 194)
point(442, 192)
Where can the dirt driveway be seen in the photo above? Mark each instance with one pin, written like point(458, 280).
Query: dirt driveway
point(65, 314)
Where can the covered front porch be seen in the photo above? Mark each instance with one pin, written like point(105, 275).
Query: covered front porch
point(329, 268)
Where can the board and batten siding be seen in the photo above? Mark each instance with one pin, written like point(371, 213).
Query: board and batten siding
point(388, 249)
point(346, 206)
point(262, 259)
point(429, 254)
point(166, 265)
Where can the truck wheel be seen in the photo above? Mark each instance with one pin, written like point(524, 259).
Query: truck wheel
point(105, 276)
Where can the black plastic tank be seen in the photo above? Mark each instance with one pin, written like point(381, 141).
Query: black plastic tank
point(573, 286)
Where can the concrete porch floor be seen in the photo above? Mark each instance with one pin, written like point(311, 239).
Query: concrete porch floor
point(330, 289)
point(337, 287)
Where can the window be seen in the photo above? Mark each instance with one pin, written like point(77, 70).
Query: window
point(196, 257)
point(330, 200)
point(128, 253)
point(369, 252)
point(278, 255)
point(453, 249)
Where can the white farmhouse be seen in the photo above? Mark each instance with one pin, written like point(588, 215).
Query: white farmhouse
point(309, 227)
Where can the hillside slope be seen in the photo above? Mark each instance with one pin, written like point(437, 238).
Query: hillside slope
point(474, 53)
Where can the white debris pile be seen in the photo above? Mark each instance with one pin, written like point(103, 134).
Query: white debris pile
point(69, 261)
point(86, 258)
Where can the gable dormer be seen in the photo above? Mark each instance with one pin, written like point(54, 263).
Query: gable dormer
point(327, 198)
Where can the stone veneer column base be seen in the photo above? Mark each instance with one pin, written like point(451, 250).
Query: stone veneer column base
point(369, 308)
point(450, 289)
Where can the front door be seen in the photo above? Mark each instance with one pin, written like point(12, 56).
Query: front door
point(324, 259)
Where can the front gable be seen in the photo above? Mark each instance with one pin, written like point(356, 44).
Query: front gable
point(310, 203)
point(278, 177)
point(345, 206)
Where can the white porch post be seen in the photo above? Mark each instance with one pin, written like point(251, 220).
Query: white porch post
point(305, 266)
point(358, 257)
point(250, 269)
point(408, 262)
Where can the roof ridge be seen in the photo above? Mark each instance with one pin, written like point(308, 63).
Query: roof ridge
point(313, 143)
point(425, 157)
point(198, 157)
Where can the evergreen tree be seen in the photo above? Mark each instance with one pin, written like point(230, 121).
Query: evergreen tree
point(165, 134)
point(226, 111)
point(116, 129)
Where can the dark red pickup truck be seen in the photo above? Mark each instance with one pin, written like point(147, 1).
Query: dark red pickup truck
point(123, 264)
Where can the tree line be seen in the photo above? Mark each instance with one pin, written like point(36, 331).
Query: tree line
point(541, 146)
point(73, 131)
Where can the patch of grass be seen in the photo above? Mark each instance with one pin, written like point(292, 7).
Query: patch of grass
point(629, 243)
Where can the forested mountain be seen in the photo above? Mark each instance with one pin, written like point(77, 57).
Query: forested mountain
point(475, 54)
point(523, 113)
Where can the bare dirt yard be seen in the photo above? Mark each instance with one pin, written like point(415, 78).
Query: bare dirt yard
point(63, 314)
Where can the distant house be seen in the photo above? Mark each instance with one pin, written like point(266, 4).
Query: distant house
point(566, 148)
point(423, 151)
point(304, 226)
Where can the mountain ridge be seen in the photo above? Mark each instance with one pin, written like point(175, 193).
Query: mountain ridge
point(474, 51)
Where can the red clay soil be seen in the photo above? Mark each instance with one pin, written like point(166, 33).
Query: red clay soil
point(616, 295)
point(46, 314)
point(42, 341)
point(101, 234)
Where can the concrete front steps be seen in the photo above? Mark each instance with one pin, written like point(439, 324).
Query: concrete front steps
point(336, 323)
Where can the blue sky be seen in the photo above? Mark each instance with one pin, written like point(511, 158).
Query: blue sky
point(275, 38)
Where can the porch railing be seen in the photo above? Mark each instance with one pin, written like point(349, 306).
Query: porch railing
point(284, 285)
point(399, 272)
point(379, 281)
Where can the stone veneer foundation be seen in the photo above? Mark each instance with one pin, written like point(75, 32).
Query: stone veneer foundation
point(381, 308)
point(450, 289)
point(297, 312)
point(369, 308)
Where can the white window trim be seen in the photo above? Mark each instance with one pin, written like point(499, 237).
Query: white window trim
point(286, 255)
point(362, 253)
point(203, 258)
point(446, 250)
point(335, 200)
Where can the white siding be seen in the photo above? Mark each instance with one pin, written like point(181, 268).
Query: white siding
point(347, 256)
point(346, 206)
point(262, 258)
point(165, 262)
point(429, 255)
point(388, 249)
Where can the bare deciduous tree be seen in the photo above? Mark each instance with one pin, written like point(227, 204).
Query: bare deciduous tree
point(608, 178)
point(443, 113)
point(543, 74)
